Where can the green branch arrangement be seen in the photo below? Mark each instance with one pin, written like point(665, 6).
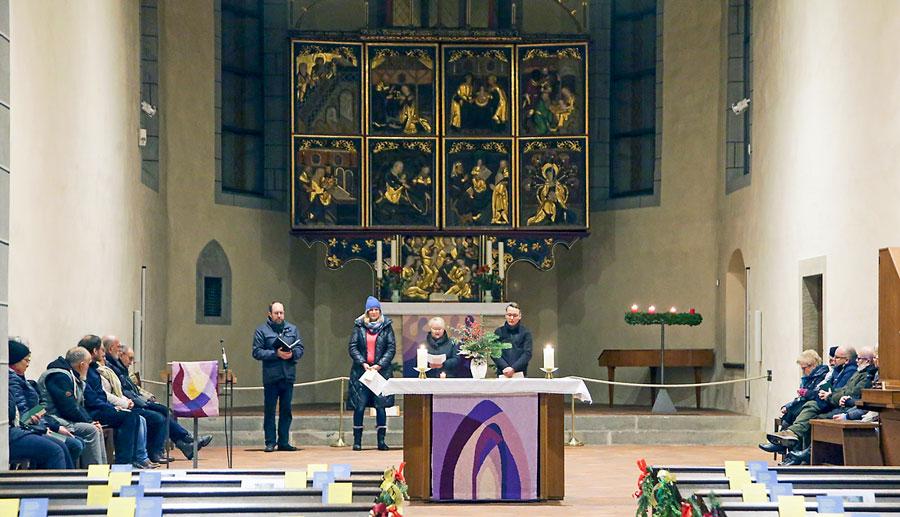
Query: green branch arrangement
point(663, 318)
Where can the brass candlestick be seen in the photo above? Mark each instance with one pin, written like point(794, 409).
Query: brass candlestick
point(549, 372)
point(422, 372)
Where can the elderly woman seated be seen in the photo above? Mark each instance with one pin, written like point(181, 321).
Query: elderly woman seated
point(814, 373)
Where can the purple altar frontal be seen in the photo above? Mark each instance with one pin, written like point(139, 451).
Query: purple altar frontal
point(484, 448)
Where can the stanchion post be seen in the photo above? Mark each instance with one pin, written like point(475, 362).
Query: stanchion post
point(573, 441)
point(340, 441)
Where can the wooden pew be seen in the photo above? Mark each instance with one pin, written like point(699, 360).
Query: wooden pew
point(237, 509)
point(195, 481)
point(695, 358)
point(839, 442)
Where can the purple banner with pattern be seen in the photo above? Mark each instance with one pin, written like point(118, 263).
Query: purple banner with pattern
point(484, 449)
point(194, 389)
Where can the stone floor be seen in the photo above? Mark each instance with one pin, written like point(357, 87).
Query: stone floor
point(599, 479)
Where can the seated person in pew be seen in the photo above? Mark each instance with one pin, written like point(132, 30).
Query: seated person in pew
point(814, 373)
point(859, 414)
point(62, 393)
point(39, 449)
point(439, 343)
point(25, 398)
point(113, 390)
point(830, 403)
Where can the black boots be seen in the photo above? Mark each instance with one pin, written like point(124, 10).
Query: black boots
point(357, 438)
point(382, 431)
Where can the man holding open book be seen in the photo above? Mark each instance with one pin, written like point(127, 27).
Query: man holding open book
point(278, 345)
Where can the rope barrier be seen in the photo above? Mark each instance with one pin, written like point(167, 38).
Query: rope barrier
point(251, 388)
point(692, 385)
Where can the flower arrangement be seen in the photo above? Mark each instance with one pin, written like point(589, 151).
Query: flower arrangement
point(393, 278)
point(389, 502)
point(657, 496)
point(485, 278)
point(478, 345)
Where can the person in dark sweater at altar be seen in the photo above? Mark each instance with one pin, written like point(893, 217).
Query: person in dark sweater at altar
point(439, 343)
point(514, 360)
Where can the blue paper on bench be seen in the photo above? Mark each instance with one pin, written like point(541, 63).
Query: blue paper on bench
point(120, 467)
point(149, 507)
point(830, 504)
point(321, 479)
point(340, 471)
point(135, 491)
point(755, 466)
point(150, 479)
point(33, 507)
point(766, 477)
point(778, 489)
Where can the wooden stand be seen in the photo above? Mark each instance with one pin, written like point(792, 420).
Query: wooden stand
point(838, 442)
point(692, 358)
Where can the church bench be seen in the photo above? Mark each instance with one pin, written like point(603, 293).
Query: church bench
point(839, 442)
point(193, 481)
point(740, 509)
point(688, 484)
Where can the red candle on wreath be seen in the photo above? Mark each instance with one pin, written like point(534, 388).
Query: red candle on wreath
point(692, 311)
point(651, 309)
point(634, 308)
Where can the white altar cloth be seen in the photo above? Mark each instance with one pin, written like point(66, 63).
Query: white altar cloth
point(501, 386)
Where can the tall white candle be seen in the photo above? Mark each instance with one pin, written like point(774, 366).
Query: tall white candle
point(394, 253)
point(548, 357)
point(379, 259)
point(501, 256)
point(421, 358)
point(490, 254)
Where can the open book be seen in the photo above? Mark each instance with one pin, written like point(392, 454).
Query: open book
point(283, 345)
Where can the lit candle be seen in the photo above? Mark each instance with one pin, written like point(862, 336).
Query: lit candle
point(548, 357)
point(421, 358)
point(634, 308)
point(443, 375)
point(651, 309)
point(692, 311)
point(379, 260)
point(501, 256)
point(673, 310)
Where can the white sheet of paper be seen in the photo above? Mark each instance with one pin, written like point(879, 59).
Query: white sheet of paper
point(436, 358)
point(373, 380)
point(517, 375)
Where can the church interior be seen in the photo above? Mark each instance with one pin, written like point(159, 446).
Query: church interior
point(682, 201)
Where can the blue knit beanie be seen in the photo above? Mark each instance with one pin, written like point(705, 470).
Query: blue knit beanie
point(372, 303)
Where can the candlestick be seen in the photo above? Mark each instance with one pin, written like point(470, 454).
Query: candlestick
point(422, 372)
point(501, 256)
point(379, 259)
point(548, 372)
point(634, 308)
point(548, 357)
point(421, 357)
point(651, 309)
point(692, 311)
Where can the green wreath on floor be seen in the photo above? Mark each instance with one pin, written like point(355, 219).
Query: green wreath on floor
point(657, 496)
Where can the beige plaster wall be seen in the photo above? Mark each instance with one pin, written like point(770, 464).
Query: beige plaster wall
point(664, 255)
point(824, 180)
point(82, 222)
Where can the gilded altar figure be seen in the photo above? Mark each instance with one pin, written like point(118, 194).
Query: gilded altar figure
point(303, 81)
point(463, 95)
point(562, 108)
point(551, 192)
point(500, 197)
point(501, 113)
point(410, 118)
point(459, 276)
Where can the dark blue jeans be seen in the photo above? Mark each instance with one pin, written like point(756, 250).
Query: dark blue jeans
point(280, 392)
point(42, 451)
point(126, 425)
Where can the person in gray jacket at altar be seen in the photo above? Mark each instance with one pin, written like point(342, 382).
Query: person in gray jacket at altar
point(514, 360)
point(437, 342)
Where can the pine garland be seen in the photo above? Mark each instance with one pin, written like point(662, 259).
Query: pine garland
point(663, 318)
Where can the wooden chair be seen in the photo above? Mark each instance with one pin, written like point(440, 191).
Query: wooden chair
point(839, 442)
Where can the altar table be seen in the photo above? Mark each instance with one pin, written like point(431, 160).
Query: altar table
point(485, 439)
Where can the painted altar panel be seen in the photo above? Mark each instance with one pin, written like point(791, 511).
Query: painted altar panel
point(442, 267)
point(552, 183)
point(552, 89)
point(326, 88)
point(479, 182)
point(327, 182)
point(477, 90)
point(401, 85)
point(402, 182)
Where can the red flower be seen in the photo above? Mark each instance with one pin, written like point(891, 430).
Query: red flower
point(396, 270)
point(399, 474)
point(686, 510)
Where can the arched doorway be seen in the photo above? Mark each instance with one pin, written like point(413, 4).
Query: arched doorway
point(736, 309)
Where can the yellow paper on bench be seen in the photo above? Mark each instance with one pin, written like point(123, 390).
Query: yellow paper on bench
point(733, 468)
point(121, 507)
point(99, 495)
point(9, 507)
point(119, 479)
point(791, 506)
point(755, 493)
point(739, 481)
point(295, 479)
point(315, 467)
point(97, 471)
point(340, 493)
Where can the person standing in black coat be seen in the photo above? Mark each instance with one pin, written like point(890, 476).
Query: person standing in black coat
point(372, 347)
point(514, 360)
point(279, 371)
point(439, 343)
